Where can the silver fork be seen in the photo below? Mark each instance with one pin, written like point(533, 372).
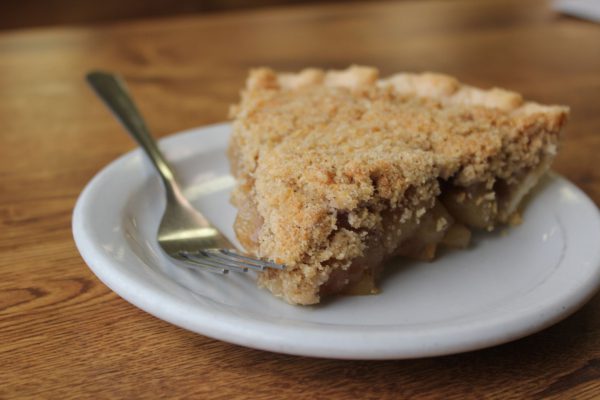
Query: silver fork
point(184, 233)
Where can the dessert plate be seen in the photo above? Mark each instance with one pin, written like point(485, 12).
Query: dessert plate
point(508, 284)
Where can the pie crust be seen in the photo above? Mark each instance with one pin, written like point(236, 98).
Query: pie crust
point(338, 171)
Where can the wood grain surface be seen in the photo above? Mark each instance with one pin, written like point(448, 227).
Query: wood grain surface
point(65, 335)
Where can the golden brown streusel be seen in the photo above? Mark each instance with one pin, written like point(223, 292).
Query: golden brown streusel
point(321, 156)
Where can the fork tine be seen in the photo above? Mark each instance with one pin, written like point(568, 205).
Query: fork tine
point(252, 263)
point(202, 259)
point(249, 260)
point(210, 268)
point(217, 257)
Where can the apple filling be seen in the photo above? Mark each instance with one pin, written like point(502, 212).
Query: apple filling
point(447, 223)
point(417, 237)
point(484, 205)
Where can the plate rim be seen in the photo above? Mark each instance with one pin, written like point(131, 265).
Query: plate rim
point(285, 339)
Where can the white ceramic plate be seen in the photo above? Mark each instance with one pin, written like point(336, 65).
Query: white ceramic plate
point(504, 287)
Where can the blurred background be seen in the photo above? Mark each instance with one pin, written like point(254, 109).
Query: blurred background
point(32, 13)
point(42, 13)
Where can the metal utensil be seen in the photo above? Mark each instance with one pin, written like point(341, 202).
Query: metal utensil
point(184, 233)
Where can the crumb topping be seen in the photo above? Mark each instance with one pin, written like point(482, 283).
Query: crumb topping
point(321, 153)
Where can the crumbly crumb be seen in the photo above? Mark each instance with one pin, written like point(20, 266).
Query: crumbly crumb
point(320, 154)
point(515, 219)
point(441, 224)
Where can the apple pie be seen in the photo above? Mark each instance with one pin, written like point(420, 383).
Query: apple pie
point(337, 171)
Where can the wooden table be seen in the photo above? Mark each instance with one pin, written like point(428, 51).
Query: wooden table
point(65, 335)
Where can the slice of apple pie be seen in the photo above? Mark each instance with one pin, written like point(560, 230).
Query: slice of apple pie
point(338, 171)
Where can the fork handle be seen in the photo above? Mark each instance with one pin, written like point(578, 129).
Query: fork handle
point(113, 92)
